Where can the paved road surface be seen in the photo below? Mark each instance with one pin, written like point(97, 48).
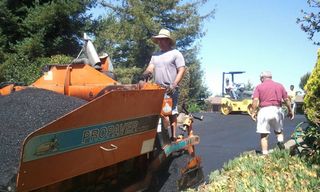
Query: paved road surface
point(222, 138)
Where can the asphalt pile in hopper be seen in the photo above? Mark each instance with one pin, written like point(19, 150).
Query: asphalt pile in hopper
point(21, 113)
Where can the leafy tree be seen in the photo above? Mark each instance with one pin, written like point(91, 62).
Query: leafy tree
point(31, 30)
point(303, 80)
point(249, 86)
point(126, 30)
point(310, 21)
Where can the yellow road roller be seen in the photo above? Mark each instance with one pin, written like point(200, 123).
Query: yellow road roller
point(235, 97)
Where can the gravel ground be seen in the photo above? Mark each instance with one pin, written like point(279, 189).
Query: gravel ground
point(21, 113)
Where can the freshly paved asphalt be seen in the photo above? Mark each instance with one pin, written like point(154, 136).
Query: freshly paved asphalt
point(222, 138)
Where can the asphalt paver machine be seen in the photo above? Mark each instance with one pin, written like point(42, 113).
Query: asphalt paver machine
point(109, 140)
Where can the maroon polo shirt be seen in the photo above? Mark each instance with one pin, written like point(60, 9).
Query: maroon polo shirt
point(270, 93)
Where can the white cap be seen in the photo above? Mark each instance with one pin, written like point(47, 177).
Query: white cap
point(103, 55)
point(266, 74)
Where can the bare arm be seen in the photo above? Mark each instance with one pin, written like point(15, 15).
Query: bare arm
point(179, 76)
point(146, 75)
point(149, 69)
point(254, 110)
point(288, 104)
point(255, 104)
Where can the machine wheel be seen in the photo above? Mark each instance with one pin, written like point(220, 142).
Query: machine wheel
point(249, 109)
point(226, 109)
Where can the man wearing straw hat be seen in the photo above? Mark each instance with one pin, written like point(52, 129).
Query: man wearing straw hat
point(168, 67)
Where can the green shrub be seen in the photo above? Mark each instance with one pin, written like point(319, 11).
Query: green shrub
point(128, 75)
point(312, 111)
point(277, 171)
point(19, 68)
point(311, 150)
point(311, 99)
point(194, 107)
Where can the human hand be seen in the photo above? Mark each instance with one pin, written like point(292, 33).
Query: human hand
point(171, 89)
point(141, 84)
point(145, 77)
point(254, 116)
point(290, 115)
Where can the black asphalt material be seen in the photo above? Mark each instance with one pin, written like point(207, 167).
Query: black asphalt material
point(167, 178)
point(21, 113)
point(223, 138)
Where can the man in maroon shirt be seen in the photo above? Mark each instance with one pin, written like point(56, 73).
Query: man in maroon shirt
point(268, 97)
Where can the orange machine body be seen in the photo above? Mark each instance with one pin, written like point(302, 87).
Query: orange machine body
point(118, 123)
point(77, 80)
point(114, 127)
point(117, 126)
point(117, 130)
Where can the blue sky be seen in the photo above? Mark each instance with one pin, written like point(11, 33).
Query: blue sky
point(253, 36)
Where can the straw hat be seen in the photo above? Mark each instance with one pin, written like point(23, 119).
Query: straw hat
point(163, 33)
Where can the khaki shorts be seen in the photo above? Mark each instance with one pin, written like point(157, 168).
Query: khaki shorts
point(268, 118)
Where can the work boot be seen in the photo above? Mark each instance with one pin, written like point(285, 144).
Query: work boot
point(281, 145)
